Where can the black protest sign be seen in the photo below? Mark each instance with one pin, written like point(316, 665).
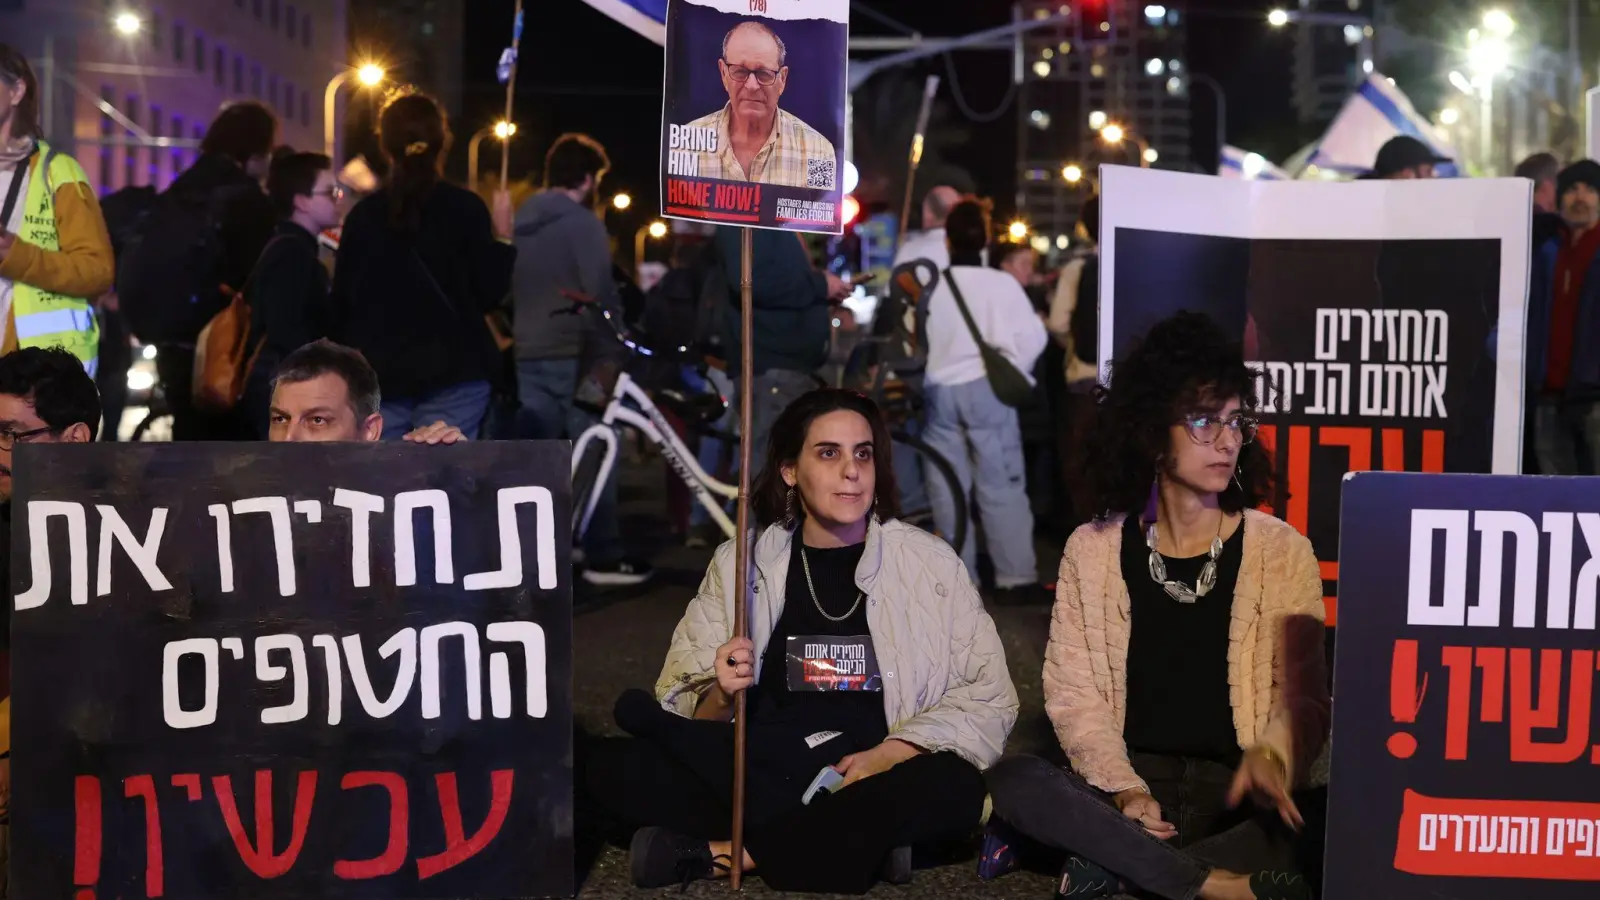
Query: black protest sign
point(310, 670)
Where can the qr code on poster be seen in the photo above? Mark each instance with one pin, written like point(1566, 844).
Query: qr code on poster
point(819, 174)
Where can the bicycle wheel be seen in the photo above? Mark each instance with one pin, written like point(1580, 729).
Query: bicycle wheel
point(919, 511)
point(584, 484)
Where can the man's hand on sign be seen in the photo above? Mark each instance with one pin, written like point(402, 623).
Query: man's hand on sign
point(1142, 808)
point(736, 666)
point(437, 433)
point(838, 288)
point(502, 215)
point(872, 762)
point(1264, 777)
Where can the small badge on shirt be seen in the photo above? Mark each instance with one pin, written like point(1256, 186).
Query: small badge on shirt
point(820, 738)
point(827, 662)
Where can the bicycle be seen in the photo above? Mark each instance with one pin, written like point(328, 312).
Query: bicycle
point(595, 451)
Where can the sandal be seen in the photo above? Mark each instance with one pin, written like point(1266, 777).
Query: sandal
point(1280, 886)
point(1085, 880)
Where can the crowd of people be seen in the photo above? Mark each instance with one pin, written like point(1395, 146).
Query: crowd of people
point(1179, 785)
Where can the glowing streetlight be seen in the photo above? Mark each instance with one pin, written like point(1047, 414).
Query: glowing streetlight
point(367, 75)
point(1449, 115)
point(658, 230)
point(1097, 120)
point(1278, 18)
point(1018, 230)
point(1499, 23)
point(127, 24)
point(1072, 173)
point(1150, 155)
point(503, 129)
point(621, 201)
point(1488, 57)
point(370, 75)
point(1112, 134)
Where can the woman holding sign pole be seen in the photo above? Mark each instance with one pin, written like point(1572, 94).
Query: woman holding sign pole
point(878, 686)
point(1185, 668)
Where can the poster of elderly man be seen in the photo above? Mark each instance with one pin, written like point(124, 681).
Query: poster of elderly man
point(753, 125)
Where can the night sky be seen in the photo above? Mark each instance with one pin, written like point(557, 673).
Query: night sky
point(580, 71)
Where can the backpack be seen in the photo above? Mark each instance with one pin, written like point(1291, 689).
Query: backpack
point(223, 355)
point(167, 279)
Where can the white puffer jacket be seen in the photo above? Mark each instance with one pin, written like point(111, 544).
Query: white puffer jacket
point(945, 682)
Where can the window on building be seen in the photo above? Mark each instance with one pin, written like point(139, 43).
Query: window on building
point(291, 22)
point(178, 41)
point(255, 81)
point(130, 159)
point(238, 74)
point(199, 53)
point(219, 66)
point(158, 27)
point(305, 29)
point(272, 13)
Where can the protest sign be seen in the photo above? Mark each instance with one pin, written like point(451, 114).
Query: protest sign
point(753, 126)
point(1385, 317)
point(308, 670)
point(1463, 764)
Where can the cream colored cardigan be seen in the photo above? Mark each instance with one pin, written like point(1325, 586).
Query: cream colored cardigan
point(1277, 674)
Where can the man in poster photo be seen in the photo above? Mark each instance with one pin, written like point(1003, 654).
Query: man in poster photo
point(757, 141)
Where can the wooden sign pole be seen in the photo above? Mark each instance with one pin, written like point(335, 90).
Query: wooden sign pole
point(511, 91)
point(745, 548)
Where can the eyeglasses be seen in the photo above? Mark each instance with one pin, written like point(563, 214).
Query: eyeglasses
point(764, 77)
point(1205, 428)
point(334, 193)
point(8, 439)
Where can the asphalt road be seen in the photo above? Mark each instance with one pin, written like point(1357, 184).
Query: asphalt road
point(621, 637)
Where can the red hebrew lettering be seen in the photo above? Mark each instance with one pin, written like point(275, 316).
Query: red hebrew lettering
point(1547, 713)
point(1458, 703)
point(260, 857)
point(190, 783)
point(144, 786)
point(394, 853)
point(86, 836)
point(1405, 697)
point(458, 847)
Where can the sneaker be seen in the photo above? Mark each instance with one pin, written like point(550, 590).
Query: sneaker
point(1279, 886)
point(660, 858)
point(1084, 880)
point(622, 573)
point(897, 867)
point(997, 856)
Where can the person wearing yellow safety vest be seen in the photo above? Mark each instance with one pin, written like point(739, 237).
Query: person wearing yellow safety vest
point(55, 252)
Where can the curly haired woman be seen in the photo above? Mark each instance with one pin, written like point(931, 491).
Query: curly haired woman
point(1185, 668)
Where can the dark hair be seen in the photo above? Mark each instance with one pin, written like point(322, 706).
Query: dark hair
point(324, 357)
point(241, 132)
point(415, 137)
point(54, 381)
point(573, 158)
point(15, 70)
point(769, 496)
point(1004, 250)
point(1539, 168)
point(967, 230)
point(1184, 364)
point(1089, 215)
point(294, 175)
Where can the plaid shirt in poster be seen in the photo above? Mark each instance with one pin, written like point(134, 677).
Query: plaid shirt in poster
point(795, 155)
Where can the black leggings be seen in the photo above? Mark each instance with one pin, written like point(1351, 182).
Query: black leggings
point(837, 844)
point(1057, 808)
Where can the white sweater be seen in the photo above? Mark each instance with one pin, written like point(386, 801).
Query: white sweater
point(1004, 316)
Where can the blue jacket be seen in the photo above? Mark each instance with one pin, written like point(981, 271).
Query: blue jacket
point(791, 327)
point(1584, 379)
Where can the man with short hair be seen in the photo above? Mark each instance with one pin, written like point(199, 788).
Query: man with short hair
point(1542, 169)
point(1404, 157)
point(757, 141)
point(46, 397)
point(288, 291)
point(327, 392)
point(1563, 364)
point(929, 243)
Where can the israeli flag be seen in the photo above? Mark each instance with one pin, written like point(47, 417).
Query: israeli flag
point(646, 17)
point(1242, 164)
point(1376, 112)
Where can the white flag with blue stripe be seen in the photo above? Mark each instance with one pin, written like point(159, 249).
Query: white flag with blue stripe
point(647, 17)
point(1249, 166)
point(1376, 112)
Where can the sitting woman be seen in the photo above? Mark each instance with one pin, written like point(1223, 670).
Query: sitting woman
point(870, 656)
point(1184, 671)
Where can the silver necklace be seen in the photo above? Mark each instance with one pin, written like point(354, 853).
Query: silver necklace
point(805, 563)
point(1177, 590)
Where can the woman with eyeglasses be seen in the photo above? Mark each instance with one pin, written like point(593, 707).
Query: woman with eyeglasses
point(1184, 674)
point(55, 251)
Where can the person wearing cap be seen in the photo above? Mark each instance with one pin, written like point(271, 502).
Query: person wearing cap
point(1406, 157)
point(1563, 374)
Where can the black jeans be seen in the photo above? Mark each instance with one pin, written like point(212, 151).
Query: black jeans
point(837, 844)
point(1057, 808)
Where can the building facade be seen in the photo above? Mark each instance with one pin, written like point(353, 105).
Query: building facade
point(1112, 62)
point(1330, 55)
point(129, 88)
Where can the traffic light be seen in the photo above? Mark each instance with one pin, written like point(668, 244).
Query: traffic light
point(1094, 19)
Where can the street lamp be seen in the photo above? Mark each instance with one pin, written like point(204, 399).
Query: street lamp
point(1499, 23)
point(502, 130)
point(1112, 134)
point(127, 24)
point(654, 231)
point(1018, 230)
point(1115, 134)
point(621, 202)
point(1278, 18)
point(1072, 174)
point(367, 75)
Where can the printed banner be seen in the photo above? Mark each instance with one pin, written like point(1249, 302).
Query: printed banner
point(1464, 720)
point(286, 671)
point(753, 125)
point(1385, 317)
